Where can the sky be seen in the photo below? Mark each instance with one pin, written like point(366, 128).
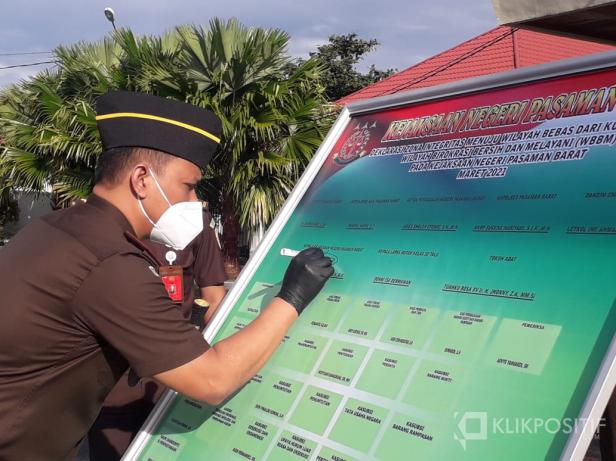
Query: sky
point(408, 30)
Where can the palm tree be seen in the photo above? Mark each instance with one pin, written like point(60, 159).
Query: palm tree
point(273, 118)
point(47, 123)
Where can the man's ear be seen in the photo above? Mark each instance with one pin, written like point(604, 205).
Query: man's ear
point(139, 180)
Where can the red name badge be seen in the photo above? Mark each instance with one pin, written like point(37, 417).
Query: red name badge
point(172, 278)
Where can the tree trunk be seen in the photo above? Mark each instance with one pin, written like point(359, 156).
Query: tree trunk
point(255, 238)
point(230, 233)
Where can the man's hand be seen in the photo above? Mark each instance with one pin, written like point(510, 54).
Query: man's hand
point(305, 276)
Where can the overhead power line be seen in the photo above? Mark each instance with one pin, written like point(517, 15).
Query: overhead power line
point(22, 53)
point(27, 65)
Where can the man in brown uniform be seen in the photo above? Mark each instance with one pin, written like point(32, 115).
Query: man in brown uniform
point(82, 299)
point(128, 405)
point(201, 264)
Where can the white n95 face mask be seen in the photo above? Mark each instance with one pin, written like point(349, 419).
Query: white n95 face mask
point(178, 225)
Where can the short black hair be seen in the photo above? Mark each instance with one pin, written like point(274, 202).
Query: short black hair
point(114, 163)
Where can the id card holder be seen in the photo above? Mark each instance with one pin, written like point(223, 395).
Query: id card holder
point(172, 278)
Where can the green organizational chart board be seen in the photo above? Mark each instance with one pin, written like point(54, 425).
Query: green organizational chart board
point(474, 240)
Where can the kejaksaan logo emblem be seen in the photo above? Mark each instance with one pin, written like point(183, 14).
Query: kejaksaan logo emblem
point(355, 146)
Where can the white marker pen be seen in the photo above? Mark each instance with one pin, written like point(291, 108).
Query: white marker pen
point(288, 252)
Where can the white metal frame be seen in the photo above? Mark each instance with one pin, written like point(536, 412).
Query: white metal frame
point(605, 380)
point(247, 272)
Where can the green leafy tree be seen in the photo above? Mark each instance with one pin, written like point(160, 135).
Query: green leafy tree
point(340, 56)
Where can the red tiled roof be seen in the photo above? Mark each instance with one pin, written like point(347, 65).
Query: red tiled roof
point(500, 49)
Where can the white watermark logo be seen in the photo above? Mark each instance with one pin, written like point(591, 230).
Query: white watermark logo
point(479, 426)
point(472, 425)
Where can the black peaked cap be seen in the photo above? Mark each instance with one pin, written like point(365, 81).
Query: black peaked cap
point(127, 119)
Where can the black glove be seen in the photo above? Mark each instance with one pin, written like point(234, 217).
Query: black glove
point(305, 276)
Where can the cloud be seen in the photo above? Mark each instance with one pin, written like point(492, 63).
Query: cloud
point(15, 74)
point(302, 46)
point(12, 35)
point(406, 29)
point(9, 76)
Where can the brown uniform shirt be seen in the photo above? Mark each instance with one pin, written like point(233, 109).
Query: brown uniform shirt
point(201, 263)
point(80, 301)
